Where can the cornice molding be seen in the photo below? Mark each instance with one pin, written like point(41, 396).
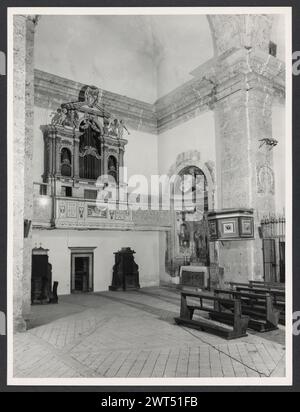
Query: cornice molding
point(51, 91)
point(236, 70)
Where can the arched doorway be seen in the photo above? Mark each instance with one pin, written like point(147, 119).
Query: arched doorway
point(190, 229)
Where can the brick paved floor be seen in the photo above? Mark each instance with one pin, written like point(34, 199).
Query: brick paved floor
point(133, 334)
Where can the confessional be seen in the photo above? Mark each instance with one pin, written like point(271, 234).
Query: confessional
point(125, 271)
point(41, 278)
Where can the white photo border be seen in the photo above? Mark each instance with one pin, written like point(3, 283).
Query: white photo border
point(285, 381)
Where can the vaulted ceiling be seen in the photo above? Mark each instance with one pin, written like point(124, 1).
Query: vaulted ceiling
point(140, 56)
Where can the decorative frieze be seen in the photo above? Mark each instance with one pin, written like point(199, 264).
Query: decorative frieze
point(213, 81)
point(265, 179)
point(87, 214)
point(83, 214)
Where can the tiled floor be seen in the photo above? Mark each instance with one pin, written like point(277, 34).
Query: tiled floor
point(133, 334)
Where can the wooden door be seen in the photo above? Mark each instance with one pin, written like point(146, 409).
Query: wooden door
point(81, 272)
point(269, 254)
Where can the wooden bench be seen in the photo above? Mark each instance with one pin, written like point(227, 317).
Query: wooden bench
point(272, 285)
point(278, 295)
point(259, 306)
point(254, 285)
point(238, 322)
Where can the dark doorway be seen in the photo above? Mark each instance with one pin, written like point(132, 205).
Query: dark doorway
point(82, 272)
point(269, 254)
point(282, 261)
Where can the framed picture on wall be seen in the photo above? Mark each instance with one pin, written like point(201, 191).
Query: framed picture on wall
point(246, 227)
point(229, 228)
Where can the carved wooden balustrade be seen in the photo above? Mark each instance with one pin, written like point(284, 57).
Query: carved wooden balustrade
point(79, 213)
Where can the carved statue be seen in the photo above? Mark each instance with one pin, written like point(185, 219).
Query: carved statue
point(184, 236)
point(106, 126)
point(74, 119)
point(91, 121)
point(65, 117)
point(71, 119)
point(200, 242)
point(95, 125)
point(121, 129)
point(91, 96)
point(65, 157)
point(114, 128)
point(59, 117)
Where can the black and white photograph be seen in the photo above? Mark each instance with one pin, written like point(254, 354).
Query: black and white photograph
point(149, 196)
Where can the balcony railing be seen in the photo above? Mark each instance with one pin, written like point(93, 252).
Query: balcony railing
point(273, 227)
point(80, 213)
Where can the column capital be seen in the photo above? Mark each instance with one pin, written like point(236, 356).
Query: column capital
point(240, 31)
point(26, 22)
point(34, 18)
point(243, 69)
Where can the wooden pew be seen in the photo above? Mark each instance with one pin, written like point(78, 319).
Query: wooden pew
point(259, 306)
point(259, 285)
point(272, 285)
point(278, 295)
point(238, 322)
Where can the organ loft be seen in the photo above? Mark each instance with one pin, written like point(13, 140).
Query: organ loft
point(82, 143)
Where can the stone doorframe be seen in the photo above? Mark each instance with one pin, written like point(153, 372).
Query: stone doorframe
point(82, 251)
point(187, 159)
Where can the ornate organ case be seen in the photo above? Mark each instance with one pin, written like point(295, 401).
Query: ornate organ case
point(82, 143)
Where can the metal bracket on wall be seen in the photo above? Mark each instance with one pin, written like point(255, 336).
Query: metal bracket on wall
point(270, 142)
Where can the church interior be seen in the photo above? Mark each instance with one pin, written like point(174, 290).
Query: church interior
point(114, 110)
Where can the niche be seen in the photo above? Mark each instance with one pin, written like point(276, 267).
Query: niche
point(66, 162)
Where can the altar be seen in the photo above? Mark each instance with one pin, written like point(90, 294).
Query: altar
point(194, 276)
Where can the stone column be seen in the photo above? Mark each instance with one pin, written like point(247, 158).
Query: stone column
point(243, 113)
point(23, 89)
point(121, 164)
point(57, 155)
point(76, 156)
point(50, 141)
point(102, 155)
